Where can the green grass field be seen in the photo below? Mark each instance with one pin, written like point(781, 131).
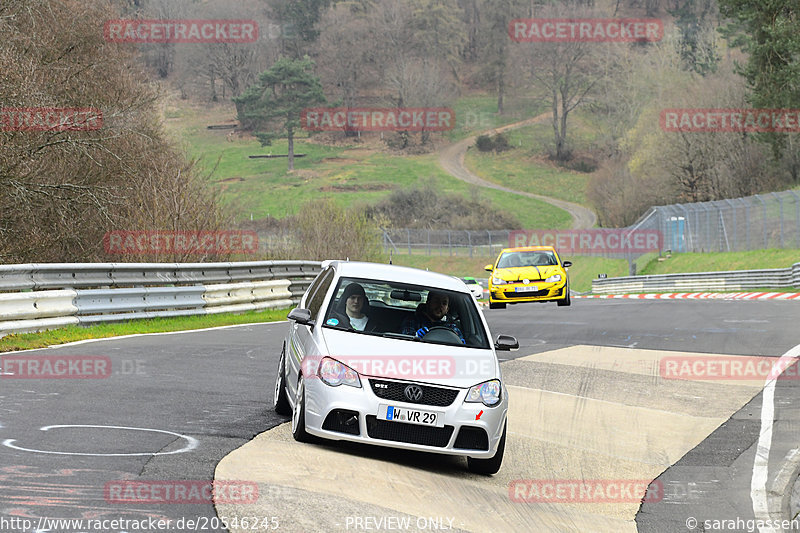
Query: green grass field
point(721, 261)
point(350, 174)
point(356, 174)
point(524, 168)
point(29, 341)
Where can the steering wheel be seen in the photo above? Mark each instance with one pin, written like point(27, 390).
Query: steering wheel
point(442, 334)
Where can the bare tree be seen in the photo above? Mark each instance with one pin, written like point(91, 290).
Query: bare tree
point(565, 73)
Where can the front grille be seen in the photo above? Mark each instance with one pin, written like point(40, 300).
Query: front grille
point(408, 433)
point(515, 294)
point(341, 420)
point(472, 438)
point(394, 392)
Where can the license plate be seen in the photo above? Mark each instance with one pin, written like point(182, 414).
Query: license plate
point(393, 413)
point(529, 288)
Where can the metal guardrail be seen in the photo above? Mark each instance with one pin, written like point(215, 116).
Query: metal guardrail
point(41, 276)
point(735, 280)
point(48, 296)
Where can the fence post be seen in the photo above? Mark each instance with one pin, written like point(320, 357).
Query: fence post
point(797, 217)
point(746, 222)
point(408, 240)
point(780, 203)
point(429, 241)
point(469, 240)
point(735, 229)
point(764, 221)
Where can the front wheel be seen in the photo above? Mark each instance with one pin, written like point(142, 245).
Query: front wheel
point(487, 467)
point(299, 414)
point(565, 300)
point(280, 400)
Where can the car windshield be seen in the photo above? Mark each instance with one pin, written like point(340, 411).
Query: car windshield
point(400, 310)
point(521, 259)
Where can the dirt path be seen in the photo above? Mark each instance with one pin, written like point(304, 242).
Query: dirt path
point(451, 158)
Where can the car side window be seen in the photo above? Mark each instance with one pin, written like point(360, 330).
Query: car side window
point(317, 295)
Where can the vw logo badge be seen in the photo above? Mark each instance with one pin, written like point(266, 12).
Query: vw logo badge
point(526, 281)
point(413, 393)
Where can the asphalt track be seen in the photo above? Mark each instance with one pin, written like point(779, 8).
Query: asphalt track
point(588, 403)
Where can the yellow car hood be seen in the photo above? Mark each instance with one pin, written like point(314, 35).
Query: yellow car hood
point(527, 272)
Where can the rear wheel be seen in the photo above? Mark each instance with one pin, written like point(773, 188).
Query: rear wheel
point(281, 400)
point(299, 414)
point(497, 305)
point(487, 467)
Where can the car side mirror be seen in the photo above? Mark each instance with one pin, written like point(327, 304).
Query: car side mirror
point(506, 343)
point(301, 316)
point(567, 264)
point(488, 267)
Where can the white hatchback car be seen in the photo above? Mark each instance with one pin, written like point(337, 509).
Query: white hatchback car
point(397, 357)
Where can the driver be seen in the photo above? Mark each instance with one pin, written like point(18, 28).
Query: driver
point(431, 314)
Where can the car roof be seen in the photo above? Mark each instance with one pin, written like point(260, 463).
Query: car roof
point(381, 271)
point(529, 249)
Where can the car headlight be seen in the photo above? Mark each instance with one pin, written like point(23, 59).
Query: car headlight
point(334, 373)
point(553, 278)
point(498, 281)
point(487, 393)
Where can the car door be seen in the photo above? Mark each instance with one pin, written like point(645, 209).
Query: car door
point(302, 340)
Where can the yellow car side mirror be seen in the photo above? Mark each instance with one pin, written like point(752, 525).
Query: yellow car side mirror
point(488, 267)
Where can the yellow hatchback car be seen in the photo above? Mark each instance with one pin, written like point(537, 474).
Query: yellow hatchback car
point(529, 274)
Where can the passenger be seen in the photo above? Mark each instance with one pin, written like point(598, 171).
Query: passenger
point(430, 314)
point(352, 310)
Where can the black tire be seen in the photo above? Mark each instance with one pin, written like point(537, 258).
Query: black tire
point(280, 400)
point(487, 467)
point(497, 305)
point(565, 300)
point(299, 413)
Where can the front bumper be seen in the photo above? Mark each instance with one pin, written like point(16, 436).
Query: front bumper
point(330, 412)
point(544, 292)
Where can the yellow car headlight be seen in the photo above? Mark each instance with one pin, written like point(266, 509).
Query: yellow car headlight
point(554, 278)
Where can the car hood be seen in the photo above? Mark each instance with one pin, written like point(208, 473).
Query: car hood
point(374, 356)
point(527, 272)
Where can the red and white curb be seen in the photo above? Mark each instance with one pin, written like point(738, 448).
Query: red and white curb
point(702, 296)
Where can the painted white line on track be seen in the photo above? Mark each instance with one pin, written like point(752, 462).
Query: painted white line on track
point(191, 442)
point(758, 483)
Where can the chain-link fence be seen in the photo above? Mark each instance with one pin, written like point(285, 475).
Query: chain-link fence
point(757, 222)
point(474, 243)
point(752, 223)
